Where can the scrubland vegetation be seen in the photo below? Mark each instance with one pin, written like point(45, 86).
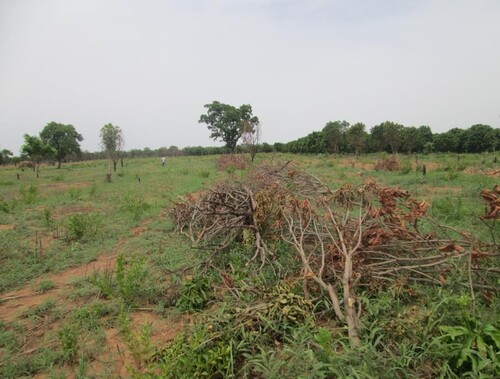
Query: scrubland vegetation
point(291, 266)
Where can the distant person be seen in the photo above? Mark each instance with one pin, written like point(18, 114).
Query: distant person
point(163, 161)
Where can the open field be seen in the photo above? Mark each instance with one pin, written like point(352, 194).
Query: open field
point(94, 279)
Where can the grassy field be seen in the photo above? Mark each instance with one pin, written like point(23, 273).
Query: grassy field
point(92, 281)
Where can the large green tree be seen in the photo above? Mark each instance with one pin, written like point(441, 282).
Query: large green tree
point(5, 156)
point(480, 138)
point(36, 150)
point(334, 133)
point(388, 134)
point(64, 139)
point(227, 123)
point(112, 142)
point(356, 137)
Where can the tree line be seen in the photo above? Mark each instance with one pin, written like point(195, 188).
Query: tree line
point(339, 137)
point(58, 143)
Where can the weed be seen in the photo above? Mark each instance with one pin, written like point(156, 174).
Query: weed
point(6, 206)
point(75, 193)
point(194, 295)
point(69, 343)
point(47, 217)
point(93, 190)
point(204, 174)
point(136, 206)
point(42, 310)
point(138, 343)
point(104, 281)
point(28, 194)
point(45, 285)
point(58, 178)
point(83, 226)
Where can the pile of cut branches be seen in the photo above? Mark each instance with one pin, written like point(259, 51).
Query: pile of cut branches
point(227, 161)
point(355, 235)
point(388, 164)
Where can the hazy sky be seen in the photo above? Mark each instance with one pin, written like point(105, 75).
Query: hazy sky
point(149, 66)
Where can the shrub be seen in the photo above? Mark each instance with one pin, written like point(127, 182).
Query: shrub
point(194, 294)
point(83, 226)
point(28, 194)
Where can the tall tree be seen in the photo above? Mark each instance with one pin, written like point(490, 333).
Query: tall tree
point(63, 139)
point(356, 136)
point(334, 133)
point(5, 156)
point(37, 150)
point(480, 138)
point(387, 134)
point(226, 122)
point(410, 139)
point(112, 142)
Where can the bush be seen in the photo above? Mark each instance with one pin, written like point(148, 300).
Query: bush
point(83, 226)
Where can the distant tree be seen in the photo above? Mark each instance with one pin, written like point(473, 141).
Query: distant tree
point(480, 138)
point(226, 122)
point(36, 150)
point(267, 148)
point(162, 151)
point(5, 156)
point(279, 147)
point(356, 136)
point(251, 138)
point(410, 139)
point(112, 142)
point(426, 136)
point(173, 151)
point(334, 135)
point(63, 139)
point(387, 134)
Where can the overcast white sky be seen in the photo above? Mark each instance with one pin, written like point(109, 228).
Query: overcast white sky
point(149, 66)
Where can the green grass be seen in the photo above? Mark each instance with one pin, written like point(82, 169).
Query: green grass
point(70, 216)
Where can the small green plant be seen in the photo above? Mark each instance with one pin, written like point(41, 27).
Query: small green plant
point(204, 174)
point(45, 285)
point(75, 193)
point(69, 343)
point(47, 217)
point(138, 343)
point(83, 226)
point(28, 194)
point(136, 206)
point(194, 294)
point(230, 169)
point(6, 206)
point(93, 190)
point(130, 279)
point(104, 281)
point(406, 168)
point(58, 178)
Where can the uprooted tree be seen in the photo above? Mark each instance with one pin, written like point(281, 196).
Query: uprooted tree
point(351, 237)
